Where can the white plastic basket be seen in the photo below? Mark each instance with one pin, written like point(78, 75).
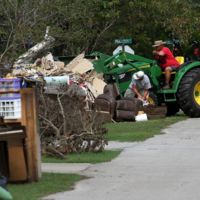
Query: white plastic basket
point(141, 117)
point(10, 109)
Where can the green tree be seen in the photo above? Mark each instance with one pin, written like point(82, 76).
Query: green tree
point(88, 25)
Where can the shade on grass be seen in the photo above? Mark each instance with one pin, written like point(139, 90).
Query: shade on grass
point(49, 184)
point(139, 131)
point(85, 157)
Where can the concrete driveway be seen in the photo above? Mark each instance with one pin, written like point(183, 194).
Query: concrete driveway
point(166, 167)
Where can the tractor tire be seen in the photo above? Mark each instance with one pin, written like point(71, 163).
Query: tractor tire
point(188, 94)
point(172, 109)
point(153, 100)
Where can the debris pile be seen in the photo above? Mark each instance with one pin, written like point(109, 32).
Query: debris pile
point(50, 72)
point(67, 125)
point(68, 119)
point(70, 99)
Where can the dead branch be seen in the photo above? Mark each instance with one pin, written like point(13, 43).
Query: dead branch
point(74, 128)
point(62, 113)
point(52, 125)
point(54, 152)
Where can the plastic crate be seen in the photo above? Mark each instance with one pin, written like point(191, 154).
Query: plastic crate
point(10, 96)
point(10, 109)
point(10, 84)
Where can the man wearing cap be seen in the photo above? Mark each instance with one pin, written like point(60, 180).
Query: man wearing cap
point(139, 86)
point(166, 61)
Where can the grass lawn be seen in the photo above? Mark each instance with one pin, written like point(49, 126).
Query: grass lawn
point(49, 184)
point(124, 132)
point(86, 157)
point(139, 131)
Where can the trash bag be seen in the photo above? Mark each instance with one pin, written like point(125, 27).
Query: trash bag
point(3, 182)
point(5, 195)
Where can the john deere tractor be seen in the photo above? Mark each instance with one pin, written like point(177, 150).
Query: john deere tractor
point(185, 86)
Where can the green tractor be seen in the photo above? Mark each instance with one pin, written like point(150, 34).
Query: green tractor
point(184, 93)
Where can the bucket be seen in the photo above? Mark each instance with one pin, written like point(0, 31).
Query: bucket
point(141, 117)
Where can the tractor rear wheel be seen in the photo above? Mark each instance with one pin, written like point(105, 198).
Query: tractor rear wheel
point(188, 94)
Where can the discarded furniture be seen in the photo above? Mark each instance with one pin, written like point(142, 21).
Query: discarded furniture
point(15, 153)
point(120, 108)
point(127, 108)
point(20, 142)
point(155, 112)
point(107, 100)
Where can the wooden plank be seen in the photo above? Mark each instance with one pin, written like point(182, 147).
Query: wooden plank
point(29, 121)
point(11, 132)
point(83, 66)
point(12, 121)
point(9, 91)
point(80, 65)
point(99, 85)
point(16, 160)
point(6, 137)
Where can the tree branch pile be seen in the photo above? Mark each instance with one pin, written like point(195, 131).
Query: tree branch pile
point(69, 124)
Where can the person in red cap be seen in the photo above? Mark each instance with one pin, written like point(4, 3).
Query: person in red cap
point(166, 60)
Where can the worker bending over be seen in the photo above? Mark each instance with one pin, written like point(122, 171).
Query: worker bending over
point(139, 86)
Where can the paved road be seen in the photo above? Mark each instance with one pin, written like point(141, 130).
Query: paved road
point(166, 167)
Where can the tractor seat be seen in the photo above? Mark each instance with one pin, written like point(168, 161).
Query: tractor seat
point(180, 59)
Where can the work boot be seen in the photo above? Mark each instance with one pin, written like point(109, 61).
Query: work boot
point(166, 87)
